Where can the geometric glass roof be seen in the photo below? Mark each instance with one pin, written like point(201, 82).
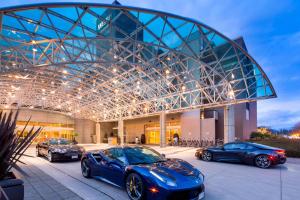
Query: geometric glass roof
point(105, 62)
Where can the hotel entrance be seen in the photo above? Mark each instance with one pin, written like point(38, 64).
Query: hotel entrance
point(50, 130)
point(152, 132)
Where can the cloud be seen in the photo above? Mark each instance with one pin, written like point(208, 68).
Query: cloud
point(279, 114)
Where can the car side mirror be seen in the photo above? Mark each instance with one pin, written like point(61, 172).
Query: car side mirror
point(163, 155)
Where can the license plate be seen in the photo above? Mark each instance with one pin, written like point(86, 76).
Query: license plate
point(201, 195)
point(75, 157)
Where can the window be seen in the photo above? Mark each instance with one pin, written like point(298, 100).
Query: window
point(115, 154)
point(250, 147)
point(140, 155)
point(234, 146)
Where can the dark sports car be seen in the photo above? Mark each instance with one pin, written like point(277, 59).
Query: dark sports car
point(144, 173)
point(59, 149)
point(244, 152)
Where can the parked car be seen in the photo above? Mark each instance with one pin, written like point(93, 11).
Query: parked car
point(244, 152)
point(59, 149)
point(144, 173)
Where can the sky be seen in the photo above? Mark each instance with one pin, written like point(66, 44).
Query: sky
point(271, 30)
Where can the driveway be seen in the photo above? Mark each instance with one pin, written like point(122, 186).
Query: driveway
point(222, 180)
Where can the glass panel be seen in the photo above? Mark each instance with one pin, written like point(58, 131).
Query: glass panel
point(69, 12)
point(157, 26)
point(145, 17)
point(31, 14)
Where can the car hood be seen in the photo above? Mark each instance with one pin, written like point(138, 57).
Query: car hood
point(176, 170)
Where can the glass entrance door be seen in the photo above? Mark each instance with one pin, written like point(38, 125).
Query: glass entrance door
point(152, 132)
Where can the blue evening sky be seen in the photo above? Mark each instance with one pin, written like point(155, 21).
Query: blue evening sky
point(271, 29)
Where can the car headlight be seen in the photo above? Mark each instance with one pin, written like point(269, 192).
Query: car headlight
point(201, 175)
point(60, 150)
point(163, 179)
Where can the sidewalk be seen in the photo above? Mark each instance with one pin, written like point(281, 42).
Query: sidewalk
point(40, 186)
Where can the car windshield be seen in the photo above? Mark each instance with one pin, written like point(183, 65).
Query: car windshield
point(142, 155)
point(59, 141)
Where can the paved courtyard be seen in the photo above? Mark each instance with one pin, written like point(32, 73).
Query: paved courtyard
point(222, 180)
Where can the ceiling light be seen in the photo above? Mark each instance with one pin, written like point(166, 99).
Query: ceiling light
point(168, 58)
point(34, 49)
point(65, 71)
point(6, 106)
point(52, 92)
point(114, 70)
point(31, 107)
point(167, 71)
point(43, 98)
point(183, 88)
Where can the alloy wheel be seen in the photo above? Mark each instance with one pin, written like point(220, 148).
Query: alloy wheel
point(85, 169)
point(262, 161)
point(207, 156)
point(134, 187)
point(50, 159)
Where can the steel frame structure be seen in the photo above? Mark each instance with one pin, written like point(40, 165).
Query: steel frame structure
point(79, 59)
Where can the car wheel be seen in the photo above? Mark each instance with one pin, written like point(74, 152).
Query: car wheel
point(206, 156)
point(37, 152)
point(134, 187)
point(85, 169)
point(50, 157)
point(262, 161)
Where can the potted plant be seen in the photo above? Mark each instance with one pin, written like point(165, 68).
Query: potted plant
point(12, 148)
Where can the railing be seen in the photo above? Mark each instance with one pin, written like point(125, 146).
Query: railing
point(197, 143)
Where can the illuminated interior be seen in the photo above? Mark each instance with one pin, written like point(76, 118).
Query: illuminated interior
point(153, 132)
point(50, 130)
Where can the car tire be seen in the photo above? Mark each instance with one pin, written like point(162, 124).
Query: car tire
point(37, 152)
point(206, 156)
point(134, 187)
point(262, 161)
point(50, 157)
point(85, 169)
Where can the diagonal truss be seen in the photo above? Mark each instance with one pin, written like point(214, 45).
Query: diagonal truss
point(105, 62)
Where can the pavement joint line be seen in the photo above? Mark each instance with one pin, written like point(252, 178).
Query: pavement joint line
point(95, 188)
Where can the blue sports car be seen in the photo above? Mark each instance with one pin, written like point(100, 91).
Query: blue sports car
point(144, 173)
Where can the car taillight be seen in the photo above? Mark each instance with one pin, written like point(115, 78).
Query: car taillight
point(280, 151)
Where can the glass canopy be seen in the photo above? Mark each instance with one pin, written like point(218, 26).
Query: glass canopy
point(106, 62)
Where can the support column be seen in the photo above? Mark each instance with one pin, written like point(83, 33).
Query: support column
point(162, 120)
point(98, 133)
point(229, 127)
point(121, 131)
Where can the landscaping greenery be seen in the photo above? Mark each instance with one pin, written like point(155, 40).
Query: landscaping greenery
point(12, 145)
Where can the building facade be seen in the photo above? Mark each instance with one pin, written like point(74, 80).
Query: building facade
point(96, 71)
